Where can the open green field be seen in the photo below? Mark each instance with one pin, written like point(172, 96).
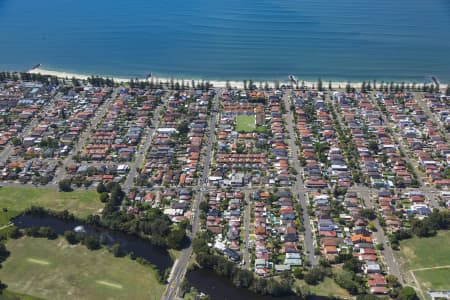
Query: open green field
point(326, 288)
point(427, 261)
point(434, 279)
point(16, 199)
point(10, 295)
point(52, 269)
point(245, 123)
point(426, 252)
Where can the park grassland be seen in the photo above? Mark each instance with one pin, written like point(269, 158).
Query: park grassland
point(245, 123)
point(426, 252)
point(428, 260)
point(325, 288)
point(10, 295)
point(434, 279)
point(14, 200)
point(53, 269)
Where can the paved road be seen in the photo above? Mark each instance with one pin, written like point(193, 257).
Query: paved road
point(143, 149)
point(298, 187)
point(388, 254)
point(345, 130)
point(398, 139)
point(247, 218)
point(180, 266)
point(79, 145)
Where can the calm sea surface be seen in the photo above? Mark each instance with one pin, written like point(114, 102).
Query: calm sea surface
point(234, 39)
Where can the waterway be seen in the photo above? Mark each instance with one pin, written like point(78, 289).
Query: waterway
point(234, 39)
point(220, 288)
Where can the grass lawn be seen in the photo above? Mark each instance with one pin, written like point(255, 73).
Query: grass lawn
point(10, 295)
point(52, 269)
point(325, 288)
point(245, 123)
point(418, 254)
point(16, 199)
point(426, 252)
point(174, 254)
point(434, 279)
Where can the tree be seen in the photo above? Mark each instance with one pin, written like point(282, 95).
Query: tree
point(407, 293)
point(176, 238)
point(47, 232)
point(4, 253)
point(348, 88)
point(432, 88)
point(16, 141)
point(93, 220)
point(71, 237)
point(392, 281)
point(200, 245)
point(15, 233)
point(422, 228)
point(104, 197)
point(91, 243)
point(320, 84)
point(3, 286)
point(368, 213)
point(314, 276)
point(345, 280)
point(183, 128)
point(65, 185)
point(298, 273)
point(243, 278)
point(101, 188)
point(353, 265)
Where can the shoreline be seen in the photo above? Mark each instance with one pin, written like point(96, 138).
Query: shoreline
point(216, 83)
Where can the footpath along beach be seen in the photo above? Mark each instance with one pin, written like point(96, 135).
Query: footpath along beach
point(215, 83)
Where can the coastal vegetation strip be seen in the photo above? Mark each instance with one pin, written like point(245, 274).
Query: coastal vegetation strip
point(75, 272)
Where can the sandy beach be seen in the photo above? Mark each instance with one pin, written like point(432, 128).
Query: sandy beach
point(215, 83)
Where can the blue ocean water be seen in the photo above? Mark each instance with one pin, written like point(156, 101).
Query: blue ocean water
point(234, 39)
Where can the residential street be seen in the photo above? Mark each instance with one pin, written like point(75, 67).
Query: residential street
point(298, 188)
point(80, 144)
point(6, 152)
point(180, 266)
point(399, 141)
point(391, 263)
point(143, 149)
point(247, 228)
point(432, 117)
